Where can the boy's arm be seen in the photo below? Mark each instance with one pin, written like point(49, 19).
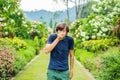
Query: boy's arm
point(71, 63)
point(50, 47)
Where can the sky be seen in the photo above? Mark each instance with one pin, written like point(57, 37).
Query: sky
point(50, 5)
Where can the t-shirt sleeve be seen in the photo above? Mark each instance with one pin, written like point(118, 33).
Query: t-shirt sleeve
point(50, 39)
point(71, 44)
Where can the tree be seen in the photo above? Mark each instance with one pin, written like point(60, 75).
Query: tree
point(66, 3)
point(42, 20)
point(81, 5)
point(67, 11)
point(51, 23)
point(88, 8)
point(55, 15)
point(77, 7)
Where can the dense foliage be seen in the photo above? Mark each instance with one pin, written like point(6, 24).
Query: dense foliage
point(20, 39)
point(15, 54)
point(110, 67)
point(13, 22)
point(94, 35)
point(99, 25)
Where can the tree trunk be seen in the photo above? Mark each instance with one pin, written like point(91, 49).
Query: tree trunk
point(79, 8)
point(76, 9)
point(67, 12)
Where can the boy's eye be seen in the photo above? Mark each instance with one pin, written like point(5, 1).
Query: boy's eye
point(64, 30)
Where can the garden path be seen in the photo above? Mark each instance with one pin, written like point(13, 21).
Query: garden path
point(37, 68)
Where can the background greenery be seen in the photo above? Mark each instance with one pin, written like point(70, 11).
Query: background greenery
point(20, 39)
point(96, 45)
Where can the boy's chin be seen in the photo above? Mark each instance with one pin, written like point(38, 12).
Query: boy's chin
point(63, 38)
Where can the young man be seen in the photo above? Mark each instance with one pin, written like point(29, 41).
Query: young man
point(60, 46)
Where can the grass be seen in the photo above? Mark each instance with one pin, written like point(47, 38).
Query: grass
point(37, 70)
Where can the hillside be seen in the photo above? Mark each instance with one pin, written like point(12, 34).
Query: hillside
point(46, 16)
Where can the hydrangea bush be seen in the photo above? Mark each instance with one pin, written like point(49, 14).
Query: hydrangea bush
point(100, 24)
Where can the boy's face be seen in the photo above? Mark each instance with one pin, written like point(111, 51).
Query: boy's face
point(63, 32)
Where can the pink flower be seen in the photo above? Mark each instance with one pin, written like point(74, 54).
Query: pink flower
point(1, 24)
point(1, 19)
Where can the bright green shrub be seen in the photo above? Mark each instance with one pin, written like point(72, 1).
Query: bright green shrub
point(37, 45)
point(28, 53)
point(99, 45)
point(86, 58)
point(23, 56)
point(20, 62)
point(18, 43)
point(42, 42)
point(105, 66)
point(110, 67)
point(15, 42)
point(6, 64)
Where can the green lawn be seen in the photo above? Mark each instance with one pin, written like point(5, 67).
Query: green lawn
point(38, 68)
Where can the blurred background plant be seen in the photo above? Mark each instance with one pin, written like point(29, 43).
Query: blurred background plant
point(97, 35)
point(20, 39)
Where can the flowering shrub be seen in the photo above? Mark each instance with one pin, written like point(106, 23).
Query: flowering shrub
point(11, 17)
point(6, 64)
point(13, 22)
point(100, 24)
point(107, 7)
point(22, 52)
point(21, 36)
point(38, 29)
point(95, 34)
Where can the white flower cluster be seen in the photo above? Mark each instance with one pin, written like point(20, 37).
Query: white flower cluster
point(96, 9)
point(108, 5)
point(117, 8)
point(102, 23)
point(77, 33)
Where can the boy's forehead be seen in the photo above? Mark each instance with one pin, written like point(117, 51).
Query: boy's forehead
point(64, 29)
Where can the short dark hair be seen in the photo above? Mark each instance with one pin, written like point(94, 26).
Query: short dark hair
point(61, 26)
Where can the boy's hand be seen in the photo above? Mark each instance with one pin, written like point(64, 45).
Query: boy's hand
point(71, 74)
point(61, 35)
